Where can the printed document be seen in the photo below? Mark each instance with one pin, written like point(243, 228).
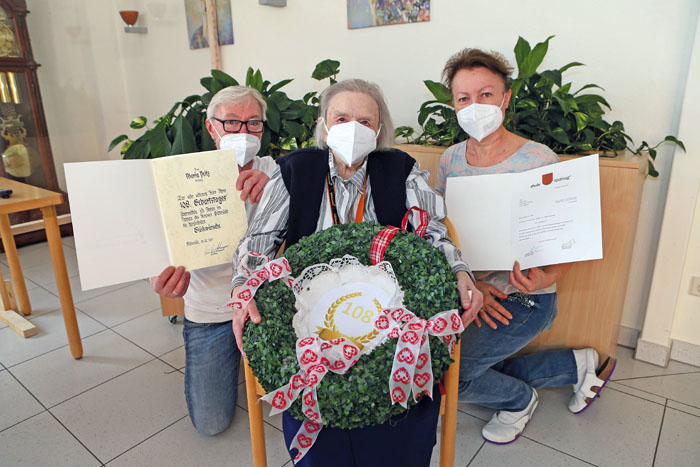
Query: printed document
point(547, 215)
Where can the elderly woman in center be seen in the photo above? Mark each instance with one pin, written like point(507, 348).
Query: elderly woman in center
point(523, 302)
point(371, 182)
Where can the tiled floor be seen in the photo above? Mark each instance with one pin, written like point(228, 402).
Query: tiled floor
point(122, 404)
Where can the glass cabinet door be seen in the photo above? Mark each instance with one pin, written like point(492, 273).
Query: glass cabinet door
point(9, 45)
point(21, 157)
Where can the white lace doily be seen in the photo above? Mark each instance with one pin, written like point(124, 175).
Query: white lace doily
point(343, 298)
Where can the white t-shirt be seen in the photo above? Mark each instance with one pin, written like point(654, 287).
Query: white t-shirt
point(210, 288)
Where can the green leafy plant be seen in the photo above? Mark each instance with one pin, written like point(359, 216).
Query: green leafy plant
point(289, 125)
point(542, 108)
point(437, 119)
point(361, 396)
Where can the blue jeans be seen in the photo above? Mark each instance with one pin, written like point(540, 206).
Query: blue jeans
point(489, 378)
point(406, 440)
point(211, 375)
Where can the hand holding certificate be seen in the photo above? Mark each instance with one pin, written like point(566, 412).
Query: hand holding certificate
point(547, 215)
point(132, 218)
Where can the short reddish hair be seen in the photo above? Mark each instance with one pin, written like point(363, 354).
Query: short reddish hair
point(473, 58)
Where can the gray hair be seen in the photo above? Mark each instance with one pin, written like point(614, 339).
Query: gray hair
point(235, 95)
point(386, 134)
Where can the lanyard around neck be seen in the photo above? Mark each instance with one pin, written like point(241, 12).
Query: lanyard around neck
point(359, 214)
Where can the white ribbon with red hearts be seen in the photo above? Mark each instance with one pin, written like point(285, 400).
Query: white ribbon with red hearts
point(412, 370)
point(270, 271)
point(316, 358)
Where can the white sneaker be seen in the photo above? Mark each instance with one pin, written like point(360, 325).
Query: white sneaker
point(592, 382)
point(505, 427)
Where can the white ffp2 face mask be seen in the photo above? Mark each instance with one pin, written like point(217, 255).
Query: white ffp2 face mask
point(245, 145)
point(480, 120)
point(351, 141)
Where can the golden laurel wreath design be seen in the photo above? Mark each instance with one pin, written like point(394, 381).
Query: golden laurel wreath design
point(329, 321)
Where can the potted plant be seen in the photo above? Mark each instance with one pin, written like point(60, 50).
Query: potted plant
point(289, 125)
point(542, 108)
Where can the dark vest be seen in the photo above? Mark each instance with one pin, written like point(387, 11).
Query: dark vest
point(304, 174)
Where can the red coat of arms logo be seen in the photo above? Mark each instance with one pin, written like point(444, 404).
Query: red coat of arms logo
point(547, 178)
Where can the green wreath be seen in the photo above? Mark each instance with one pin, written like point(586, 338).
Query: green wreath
point(361, 396)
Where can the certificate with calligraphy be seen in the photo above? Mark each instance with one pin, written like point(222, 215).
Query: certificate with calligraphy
point(132, 218)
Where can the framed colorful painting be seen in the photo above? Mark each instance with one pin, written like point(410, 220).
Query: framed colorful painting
point(196, 14)
point(369, 13)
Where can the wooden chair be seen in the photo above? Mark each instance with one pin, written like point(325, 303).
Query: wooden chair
point(172, 308)
point(448, 408)
point(451, 383)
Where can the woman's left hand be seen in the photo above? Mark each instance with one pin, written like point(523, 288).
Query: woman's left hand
point(537, 278)
point(471, 306)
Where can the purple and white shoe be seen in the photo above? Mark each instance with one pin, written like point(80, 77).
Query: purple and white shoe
point(587, 389)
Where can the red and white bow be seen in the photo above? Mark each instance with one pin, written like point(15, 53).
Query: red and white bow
point(385, 236)
point(316, 358)
point(270, 271)
point(412, 370)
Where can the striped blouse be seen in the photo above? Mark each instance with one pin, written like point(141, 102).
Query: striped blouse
point(268, 228)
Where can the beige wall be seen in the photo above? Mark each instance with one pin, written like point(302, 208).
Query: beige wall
point(686, 325)
point(95, 77)
point(80, 77)
point(672, 313)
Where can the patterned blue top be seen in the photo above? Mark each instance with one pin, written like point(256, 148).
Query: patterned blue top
point(453, 163)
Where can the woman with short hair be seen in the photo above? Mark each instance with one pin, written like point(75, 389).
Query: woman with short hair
point(523, 302)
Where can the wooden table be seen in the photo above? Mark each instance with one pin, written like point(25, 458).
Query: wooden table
point(25, 197)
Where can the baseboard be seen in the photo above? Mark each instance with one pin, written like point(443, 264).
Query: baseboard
point(653, 353)
point(685, 352)
point(628, 337)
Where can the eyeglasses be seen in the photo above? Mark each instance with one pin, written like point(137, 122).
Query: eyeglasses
point(234, 126)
